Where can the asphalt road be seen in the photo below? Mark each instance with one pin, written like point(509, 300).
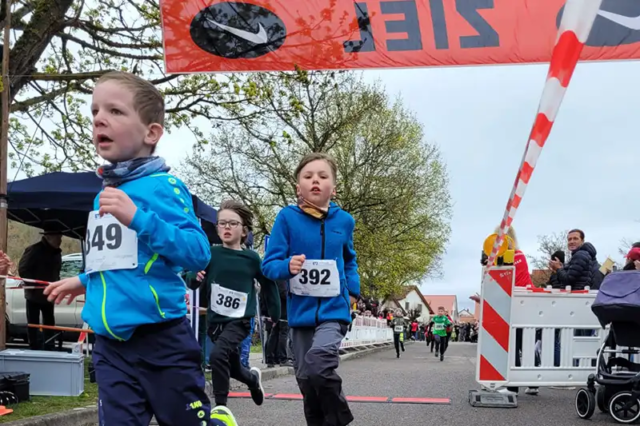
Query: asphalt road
point(417, 374)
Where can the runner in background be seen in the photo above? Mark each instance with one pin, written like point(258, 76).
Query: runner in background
point(440, 323)
point(142, 232)
point(398, 325)
point(449, 330)
point(414, 330)
point(429, 336)
point(230, 278)
point(311, 245)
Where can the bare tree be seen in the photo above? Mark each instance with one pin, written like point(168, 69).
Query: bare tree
point(62, 46)
point(625, 246)
point(548, 245)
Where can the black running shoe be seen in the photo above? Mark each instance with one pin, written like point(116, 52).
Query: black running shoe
point(441, 357)
point(257, 392)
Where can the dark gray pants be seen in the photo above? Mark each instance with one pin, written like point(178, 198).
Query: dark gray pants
point(316, 358)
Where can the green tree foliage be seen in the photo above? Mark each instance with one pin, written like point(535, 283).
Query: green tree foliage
point(389, 178)
point(59, 49)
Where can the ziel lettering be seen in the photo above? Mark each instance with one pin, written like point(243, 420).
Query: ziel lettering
point(410, 25)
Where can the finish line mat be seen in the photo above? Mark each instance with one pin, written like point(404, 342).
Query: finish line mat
point(369, 399)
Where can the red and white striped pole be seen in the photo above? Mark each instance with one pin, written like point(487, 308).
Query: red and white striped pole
point(577, 21)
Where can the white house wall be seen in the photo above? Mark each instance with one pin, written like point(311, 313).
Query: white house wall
point(415, 300)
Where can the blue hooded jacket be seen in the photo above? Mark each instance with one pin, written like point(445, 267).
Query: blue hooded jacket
point(294, 233)
point(169, 239)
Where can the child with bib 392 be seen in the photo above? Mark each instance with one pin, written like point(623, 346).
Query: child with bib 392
point(311, 246)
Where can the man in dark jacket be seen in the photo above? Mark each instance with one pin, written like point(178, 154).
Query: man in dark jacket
point(580, 270)
point(278, 333)
point(41, 261)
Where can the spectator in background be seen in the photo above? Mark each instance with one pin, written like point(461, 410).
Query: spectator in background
point(633, 259)
point(581, 270)
point(5, 263)
point(414, 330)
point(41, 261)
point(522, 279)
point(558, 256)
point(277, 342)
point(449, 328)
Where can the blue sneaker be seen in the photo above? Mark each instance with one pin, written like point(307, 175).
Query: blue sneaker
point(222, 416)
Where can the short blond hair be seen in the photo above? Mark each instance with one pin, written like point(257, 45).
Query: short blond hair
point(147, 99)
point(314, 156)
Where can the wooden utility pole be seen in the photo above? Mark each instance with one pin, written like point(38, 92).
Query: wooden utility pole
point(4, 147)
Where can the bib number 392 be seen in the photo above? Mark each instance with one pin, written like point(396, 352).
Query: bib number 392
point(109, 245)
point(317, 278)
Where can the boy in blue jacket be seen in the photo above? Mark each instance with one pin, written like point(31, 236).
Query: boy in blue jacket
point(311, 246)
point(141, 234)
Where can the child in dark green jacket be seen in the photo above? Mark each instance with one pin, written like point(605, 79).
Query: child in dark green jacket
point(398, 323)
point(230, 280)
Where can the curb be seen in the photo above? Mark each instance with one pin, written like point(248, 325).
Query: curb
point(88, 416)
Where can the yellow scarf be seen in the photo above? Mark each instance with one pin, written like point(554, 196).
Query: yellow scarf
point(311, 209)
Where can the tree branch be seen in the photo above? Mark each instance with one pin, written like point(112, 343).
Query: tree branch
point(110, 52)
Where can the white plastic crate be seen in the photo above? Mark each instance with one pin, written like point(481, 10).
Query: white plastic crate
point(52, 373)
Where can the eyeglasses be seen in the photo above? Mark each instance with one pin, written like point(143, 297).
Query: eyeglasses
point(229, 224)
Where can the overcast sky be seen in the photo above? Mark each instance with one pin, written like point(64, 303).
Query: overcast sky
point(481, 117)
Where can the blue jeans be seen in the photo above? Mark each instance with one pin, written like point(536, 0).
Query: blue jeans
point(245, 347)
point(208, 345)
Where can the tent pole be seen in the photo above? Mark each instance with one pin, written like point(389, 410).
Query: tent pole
point(4, 139)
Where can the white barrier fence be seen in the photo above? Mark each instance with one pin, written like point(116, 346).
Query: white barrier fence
point(535, 337)
point(366, 331)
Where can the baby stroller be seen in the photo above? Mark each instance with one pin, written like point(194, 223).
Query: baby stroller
point(615, 388)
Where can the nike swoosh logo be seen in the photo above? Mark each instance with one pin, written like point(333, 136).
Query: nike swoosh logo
point(631, 22)
point(257, 38)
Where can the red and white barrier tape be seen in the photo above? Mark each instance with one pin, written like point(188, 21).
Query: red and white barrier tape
point(577, 21)
point(26, 280)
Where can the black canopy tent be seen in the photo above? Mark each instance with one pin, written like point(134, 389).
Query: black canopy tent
point(61, 201)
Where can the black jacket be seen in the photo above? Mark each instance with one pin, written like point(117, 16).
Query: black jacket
point(579, 272)
point(40, 261)
point(282, 287)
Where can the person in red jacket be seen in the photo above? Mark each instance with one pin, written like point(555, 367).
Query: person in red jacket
point(414, 330)
point(523, 278)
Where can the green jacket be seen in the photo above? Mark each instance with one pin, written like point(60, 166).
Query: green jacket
point(398, 322)
point(230, 286)
point(440, 324)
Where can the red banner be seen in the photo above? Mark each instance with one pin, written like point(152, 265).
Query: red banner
point(270, 35)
